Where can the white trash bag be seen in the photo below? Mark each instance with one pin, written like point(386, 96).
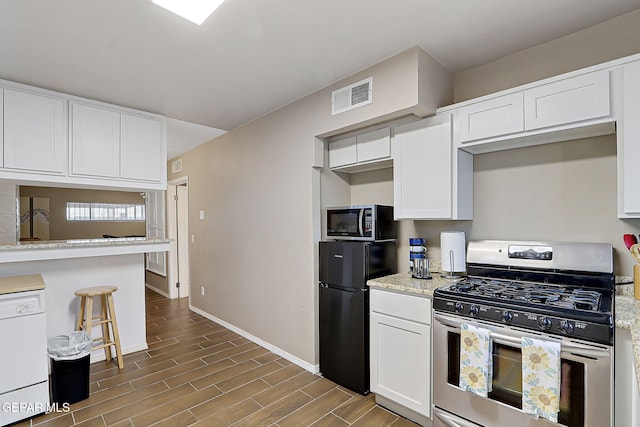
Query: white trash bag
point(70, 346)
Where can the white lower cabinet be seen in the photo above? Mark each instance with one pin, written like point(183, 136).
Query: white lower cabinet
point(627, 396)
point(401, 353)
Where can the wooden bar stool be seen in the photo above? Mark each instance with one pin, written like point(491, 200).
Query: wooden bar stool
point(108, 316)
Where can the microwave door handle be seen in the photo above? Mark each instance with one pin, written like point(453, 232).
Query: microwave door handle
point(515, 340)
point(451, 421)
point(360, 223)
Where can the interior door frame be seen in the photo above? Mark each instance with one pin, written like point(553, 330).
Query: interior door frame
point(172, 233)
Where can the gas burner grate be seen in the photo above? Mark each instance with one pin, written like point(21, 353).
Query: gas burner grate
point(529, 293)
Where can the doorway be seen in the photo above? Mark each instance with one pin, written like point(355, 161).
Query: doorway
point(178, 231)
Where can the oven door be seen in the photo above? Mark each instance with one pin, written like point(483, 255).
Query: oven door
point(586, 390)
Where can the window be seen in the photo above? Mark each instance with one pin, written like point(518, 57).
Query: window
point(82, 211)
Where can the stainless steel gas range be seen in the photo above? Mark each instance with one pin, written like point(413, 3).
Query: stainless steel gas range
point(518, 295)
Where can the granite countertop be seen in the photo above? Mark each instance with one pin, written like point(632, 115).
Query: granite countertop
point(403, 282)
point(80, 243)
point(79, 248)
point(628, 317)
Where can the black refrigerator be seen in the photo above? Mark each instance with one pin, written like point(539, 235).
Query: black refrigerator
point(345, 267)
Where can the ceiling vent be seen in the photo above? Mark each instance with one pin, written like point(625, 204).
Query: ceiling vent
point(352, 96)
point(176, 166)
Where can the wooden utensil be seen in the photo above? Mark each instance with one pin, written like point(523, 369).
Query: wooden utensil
point(635, 251)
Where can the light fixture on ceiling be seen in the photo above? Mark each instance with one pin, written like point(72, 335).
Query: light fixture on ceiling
point(195, 11)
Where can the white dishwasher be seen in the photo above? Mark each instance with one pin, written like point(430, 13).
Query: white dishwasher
point(24, 377)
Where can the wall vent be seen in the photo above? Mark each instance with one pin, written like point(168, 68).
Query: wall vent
point(176, 166)
point(352, 96)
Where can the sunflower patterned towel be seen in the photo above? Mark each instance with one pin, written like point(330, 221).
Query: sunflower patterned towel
point(541, 378)
point(476, 362)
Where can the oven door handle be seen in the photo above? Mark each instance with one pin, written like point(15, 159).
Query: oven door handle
point(450, 420)
point(516, 340)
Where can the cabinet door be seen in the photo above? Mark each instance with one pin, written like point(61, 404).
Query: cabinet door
point(1, 127)
point(566, 101)
point(495, 117)
point(142, 156)
point(422, 169)
point(95, 141)
point(343, 152)
point(629, 143)
point(401, 362)
point(35, 132)
point(374, 145)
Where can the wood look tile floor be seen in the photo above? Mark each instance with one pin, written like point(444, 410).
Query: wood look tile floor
point(197, 373)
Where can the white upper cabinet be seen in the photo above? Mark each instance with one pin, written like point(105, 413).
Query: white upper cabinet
point(498, 116)
point(569, 108)
point(140, 153)
point(1, 127)
point(107, 143)
point(95, 141)
point(35, 132)
point(362, 152)
point(343, 152)
point(430, 179)
point(629, 143)
point(51, 138)
point(374, 145)
point(566, 101)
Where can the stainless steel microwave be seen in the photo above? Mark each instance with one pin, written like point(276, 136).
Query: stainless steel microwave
point(368, 222)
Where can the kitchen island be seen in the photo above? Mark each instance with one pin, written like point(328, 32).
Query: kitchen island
point(69, 265)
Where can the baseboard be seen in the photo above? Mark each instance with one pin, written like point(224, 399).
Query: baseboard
point(314, 369)
point(156, 290)
point(98, 355)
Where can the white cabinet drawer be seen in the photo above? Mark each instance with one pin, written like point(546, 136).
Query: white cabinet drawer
point(567, 101)
point(495, 117)
point(409, 307)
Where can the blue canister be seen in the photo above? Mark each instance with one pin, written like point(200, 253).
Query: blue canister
point(416, 241)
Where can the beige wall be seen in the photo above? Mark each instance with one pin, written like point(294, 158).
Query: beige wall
point(255, 252)
point(609, 40)
point(61, 229)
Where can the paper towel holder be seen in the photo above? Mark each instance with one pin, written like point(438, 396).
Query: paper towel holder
point(452, 248)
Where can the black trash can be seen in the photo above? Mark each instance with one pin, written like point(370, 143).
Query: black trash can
point(70, 380)
point(70, 356)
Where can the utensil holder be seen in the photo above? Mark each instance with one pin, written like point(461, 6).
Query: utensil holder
point(636, 281)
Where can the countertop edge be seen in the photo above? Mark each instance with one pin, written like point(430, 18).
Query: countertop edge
point(80, 248)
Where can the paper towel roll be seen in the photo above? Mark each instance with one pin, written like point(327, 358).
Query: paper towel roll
point(452, 249)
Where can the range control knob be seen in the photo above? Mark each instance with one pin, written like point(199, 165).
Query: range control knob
point(544, 323)
point(567, 326)
point(474, 310)
point(506, 316)
point(458, 307)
